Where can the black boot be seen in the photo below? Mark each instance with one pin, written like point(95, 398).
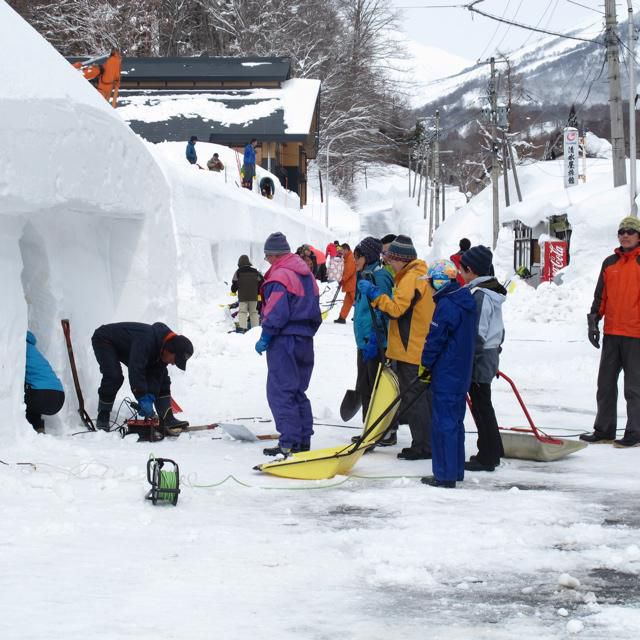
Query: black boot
point(103, 421)
point(169, 424)
point(276, 451)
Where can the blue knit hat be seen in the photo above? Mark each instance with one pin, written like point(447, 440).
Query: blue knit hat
point(276, 245)
point(401, 249)
point(478, 259)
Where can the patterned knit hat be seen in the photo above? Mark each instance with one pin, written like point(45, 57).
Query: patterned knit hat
point(370, 249)
point(401, 249)
point(630, 222)
point(276, 245)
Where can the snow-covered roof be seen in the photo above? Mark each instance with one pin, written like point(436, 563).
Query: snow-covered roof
point(279, 114)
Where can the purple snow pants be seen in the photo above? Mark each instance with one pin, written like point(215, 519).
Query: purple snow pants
point(290, 364)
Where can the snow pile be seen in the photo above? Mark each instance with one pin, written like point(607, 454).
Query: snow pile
point(296, 99)
point(98, 226)
point(597, 147)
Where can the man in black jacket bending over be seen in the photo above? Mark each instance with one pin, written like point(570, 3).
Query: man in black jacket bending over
point(146, 349)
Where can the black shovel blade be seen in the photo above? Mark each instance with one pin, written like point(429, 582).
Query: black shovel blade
point(351, 404)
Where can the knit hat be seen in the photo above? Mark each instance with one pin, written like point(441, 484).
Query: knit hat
point(478, 259)
point(630, 222)
point(276, 245)
point(182, 348)
point(401, 249)
point(243, 261)
point(390, 237)
point(370, 249)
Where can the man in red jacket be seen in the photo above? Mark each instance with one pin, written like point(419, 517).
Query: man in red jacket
point(348, 283)
point(616, 299)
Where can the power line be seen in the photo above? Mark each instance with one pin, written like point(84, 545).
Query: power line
point(544, 13)
point(584, 6)
point(504, 35)
point(471, 7)
point(495, 32)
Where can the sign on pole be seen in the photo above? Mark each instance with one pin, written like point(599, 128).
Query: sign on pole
point(570, 157)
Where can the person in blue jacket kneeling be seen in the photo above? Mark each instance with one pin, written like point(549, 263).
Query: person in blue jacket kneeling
point(43, 391)
point(447, 361)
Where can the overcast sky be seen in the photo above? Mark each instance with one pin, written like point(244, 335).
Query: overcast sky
point(455, 31)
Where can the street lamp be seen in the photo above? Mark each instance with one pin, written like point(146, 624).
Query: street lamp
point(341, 135)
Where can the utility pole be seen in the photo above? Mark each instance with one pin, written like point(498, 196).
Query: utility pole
point(633, 191)
point(436, 169)
point(495, 168)
point(615, 95)
point(426, 179)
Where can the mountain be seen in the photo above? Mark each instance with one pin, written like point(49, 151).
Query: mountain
point(550, 70)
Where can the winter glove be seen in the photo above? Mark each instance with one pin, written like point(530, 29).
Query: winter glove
point(145, 405)
point(263, 344)
point(370, 352)
point(368, 289)
point(593, 332)
point(424, 374)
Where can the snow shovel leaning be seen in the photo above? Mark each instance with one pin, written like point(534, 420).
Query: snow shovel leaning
point(325, 313)
point(532, 443)
point(323, 464)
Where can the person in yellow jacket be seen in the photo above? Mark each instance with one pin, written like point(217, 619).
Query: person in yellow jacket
point(410, 312)
point(109, 79)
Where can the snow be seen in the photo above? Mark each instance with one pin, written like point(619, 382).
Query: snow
point(296, 98)
point(99, 226)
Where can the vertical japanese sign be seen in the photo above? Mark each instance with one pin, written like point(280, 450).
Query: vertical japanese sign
point(570, 157)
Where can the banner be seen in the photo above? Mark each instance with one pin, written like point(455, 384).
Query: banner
point(555, 257)
point(570, 157)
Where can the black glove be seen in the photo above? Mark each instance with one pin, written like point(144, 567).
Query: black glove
point(593, 332)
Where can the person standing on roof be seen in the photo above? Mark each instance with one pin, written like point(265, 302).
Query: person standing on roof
point(249, 164)
point(290, 319)
point(190, 152)
point(465, 245)
point(43, 391)
point(410, 312)
point(246, 282)
point(109, 79)
point(146, 350)
point(348, 283)
point(616, 300)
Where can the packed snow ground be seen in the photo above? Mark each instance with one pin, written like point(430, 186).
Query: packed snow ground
point(534, 550)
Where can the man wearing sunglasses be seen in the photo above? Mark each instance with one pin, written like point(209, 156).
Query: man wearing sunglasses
point(617, 299)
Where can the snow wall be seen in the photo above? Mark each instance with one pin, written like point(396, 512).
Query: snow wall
point(94, 229)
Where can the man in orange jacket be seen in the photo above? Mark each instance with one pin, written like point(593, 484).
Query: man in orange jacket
point(109, 79)
point(616, 299)
point(348, 283)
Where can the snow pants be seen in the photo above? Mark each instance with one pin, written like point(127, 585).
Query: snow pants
point(367, 372)
point(619, 353)
point(419, 415)
point(290, 365)
point(489, 441)
point(349, 299)
point(42, 401)
point(447, 436)
point(248, 310)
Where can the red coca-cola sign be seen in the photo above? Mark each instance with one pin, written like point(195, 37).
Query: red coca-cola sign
point(556, 257)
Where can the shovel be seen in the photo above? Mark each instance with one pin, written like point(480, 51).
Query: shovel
point(240, 432)
point(532, 443)
point(350, 405)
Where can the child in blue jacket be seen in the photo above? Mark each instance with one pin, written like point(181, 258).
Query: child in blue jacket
point(447, 361)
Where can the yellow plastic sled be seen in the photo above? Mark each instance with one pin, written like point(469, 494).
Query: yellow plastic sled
point(323, 464)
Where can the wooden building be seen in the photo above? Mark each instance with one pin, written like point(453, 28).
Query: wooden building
point(227, 101)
